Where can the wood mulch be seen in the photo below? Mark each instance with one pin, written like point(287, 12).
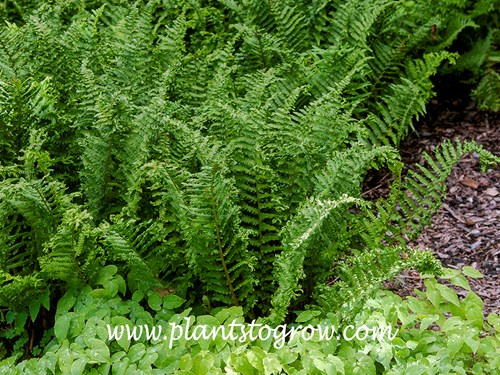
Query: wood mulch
point(466, 230)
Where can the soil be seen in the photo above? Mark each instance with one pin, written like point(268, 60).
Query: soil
point(466, 229)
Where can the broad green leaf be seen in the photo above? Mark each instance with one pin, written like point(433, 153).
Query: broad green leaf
point(154, 301)
point(146, 361)
point(448, 294)
point(208, 320)
point(365, 365)
point(460, 281)
point(61, 326)
point(98, 351)
point(203, 363)
point(449, 273)
point(65, 358)
point(472, 343)
point(34, 308)
point(474, 309)
point(454, 344)
point(255, 357)
point(307, 316)
point(172, 301)
point(241, 364)
point(416, 370)
point(472, 272)
point(427, 321)
point(66, 302)
point(453, 324)
point(383, 354)
point(78, 367)
point(45, 297)
point(411, 344)
point(137, 296)
point(136, 352)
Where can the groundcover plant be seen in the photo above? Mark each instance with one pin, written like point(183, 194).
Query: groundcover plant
point(167, 160)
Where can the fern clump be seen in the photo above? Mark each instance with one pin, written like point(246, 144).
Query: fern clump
point(217, 150)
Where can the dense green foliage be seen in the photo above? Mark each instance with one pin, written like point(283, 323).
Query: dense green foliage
point(437, 334)
point(215, 151)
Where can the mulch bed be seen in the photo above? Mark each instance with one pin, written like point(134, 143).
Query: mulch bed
point(466, 230)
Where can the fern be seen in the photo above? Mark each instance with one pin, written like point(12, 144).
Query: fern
point(297, 242)
point(353, 20)
point(487, 93)
point(361, 275)
point(408, 209)
point(71, 253)
point(454, 27)
point(405, 101)
point(219, 148)
point(318, 235)
point(217, 249)
point(32, 207)
point(18, 292)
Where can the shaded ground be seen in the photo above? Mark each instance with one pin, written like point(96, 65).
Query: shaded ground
point(466, 231)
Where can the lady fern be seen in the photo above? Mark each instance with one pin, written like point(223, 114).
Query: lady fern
point(217, 149)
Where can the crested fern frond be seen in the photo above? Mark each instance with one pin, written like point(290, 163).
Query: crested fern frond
point(142, 247)
point(261, 50)
point(10, 43)
point(291, 26)
point(17, 292)
point(71, 253)
point(25, 106)
point(31, 208)
point(312, 219)
point(339, 68)
point(317, 236)
point(345, 171)
point(353, 20)
point(390, 51)
point(99, 174)
point(475, 58)
point(359, 276)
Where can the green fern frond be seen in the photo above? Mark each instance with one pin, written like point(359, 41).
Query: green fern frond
point(30, 211)
point(25, 107)
point(452, 29)
point(291, 26)
point(359, 276)
point(71, 253)
point(345, 171)
point(353, 20)
point(405, 100)
point(476, 57)
point(298, 235)
point(99, 174)
point(408, 209)
point(339, 68)
point(142, 247)
point(487, 93)
point(17, 292)
point(217, 250)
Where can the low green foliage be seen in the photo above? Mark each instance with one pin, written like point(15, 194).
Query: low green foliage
point(436, 332)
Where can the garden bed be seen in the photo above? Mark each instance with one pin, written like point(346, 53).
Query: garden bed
point(466, 229)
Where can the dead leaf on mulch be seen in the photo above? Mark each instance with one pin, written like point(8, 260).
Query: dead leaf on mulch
point(467, 181)
point(492, 192)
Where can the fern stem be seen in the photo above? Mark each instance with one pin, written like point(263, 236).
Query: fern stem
point(219, 244)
